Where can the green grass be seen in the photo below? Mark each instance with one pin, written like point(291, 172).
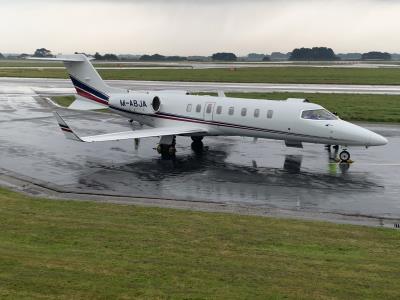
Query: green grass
point(63, 100)
point(350, 107)
point(83, 250)
point(246, 75)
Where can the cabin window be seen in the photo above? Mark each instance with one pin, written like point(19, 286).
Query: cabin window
point(256, 113)
point(198, 108)
point(231, 110)
point(270, 114)
point(318, 114)
point(244, 112)
point(209, 108)
point(219, 110)
point(189, 108)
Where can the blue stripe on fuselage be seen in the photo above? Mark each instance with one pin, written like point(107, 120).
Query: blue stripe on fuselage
point(88, 89)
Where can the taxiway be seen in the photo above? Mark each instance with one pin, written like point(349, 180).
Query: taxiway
point(234, 174)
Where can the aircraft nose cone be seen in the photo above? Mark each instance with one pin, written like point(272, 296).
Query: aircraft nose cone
point(377, 140)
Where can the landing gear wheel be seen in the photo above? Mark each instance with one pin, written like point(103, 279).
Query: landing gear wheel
point(159, 149)
point(166, 151)
point(344, 156)
point(172, 150)
point(197, 147)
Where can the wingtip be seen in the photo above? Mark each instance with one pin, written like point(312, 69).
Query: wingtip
point(68, 132)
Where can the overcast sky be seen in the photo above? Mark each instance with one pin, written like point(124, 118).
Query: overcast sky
point(198, 27)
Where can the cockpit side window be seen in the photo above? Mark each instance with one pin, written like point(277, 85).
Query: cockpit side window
point(318, 114)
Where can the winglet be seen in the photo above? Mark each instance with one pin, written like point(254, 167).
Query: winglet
point(221, 94)
point(69, 134)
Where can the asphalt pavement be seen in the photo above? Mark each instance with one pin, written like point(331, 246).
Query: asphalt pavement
point(232, 174)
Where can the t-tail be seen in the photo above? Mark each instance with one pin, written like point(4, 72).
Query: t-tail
point(87, 81)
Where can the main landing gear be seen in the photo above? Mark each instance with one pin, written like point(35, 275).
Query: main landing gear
point(166, 147)
point(167, 144)
point(197, 145)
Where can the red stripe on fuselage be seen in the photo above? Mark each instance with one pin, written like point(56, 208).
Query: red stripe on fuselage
point(90, 96)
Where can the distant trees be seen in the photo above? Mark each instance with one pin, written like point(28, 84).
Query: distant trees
point(159, 57)
point(315, 53)
point(175, 58)
point(2, 56)
point(280, 56)
point(376, 55)
point(42, 52)
point(224, 56)
point(154, 57)
point(350, 56)
point(107, 56)
point(266, 58)
point(255, 57)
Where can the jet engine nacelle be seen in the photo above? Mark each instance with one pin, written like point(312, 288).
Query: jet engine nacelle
point(143, 103)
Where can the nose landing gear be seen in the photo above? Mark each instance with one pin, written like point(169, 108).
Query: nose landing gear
point(344, 156)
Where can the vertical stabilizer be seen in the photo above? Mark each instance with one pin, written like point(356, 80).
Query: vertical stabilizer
point(86, 80)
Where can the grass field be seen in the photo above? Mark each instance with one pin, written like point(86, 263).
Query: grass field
point(63, 100)
point(350, 107)
point(366, 108)
point(246, 75)
point(82, 250)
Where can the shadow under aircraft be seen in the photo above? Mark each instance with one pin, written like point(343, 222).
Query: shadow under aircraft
point(210, 175)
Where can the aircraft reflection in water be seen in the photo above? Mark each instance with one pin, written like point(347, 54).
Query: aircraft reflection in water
point(210, 175)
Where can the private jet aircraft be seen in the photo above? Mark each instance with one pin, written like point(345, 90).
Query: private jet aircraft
point(176, 113)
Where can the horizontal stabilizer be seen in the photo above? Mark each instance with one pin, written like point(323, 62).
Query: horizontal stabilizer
point(126, 135)
point(66, 58)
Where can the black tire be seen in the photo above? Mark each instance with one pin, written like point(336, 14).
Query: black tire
point(172, 150)
point(344, 156)
point(197, 147)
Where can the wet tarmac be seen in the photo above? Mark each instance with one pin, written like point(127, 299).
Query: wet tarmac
point(232, 171)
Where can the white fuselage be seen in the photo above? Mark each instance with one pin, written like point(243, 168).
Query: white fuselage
point(224, 116)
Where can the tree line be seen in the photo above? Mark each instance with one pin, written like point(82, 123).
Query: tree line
point(298, 54)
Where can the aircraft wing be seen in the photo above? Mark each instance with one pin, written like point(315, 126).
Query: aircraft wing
point(126, 135)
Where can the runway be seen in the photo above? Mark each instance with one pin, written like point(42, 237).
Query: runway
point(234, 174)
point(40, 86)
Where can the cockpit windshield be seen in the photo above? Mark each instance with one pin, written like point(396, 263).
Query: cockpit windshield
point(318, 114)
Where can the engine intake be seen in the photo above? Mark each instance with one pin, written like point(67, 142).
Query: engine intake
point(156, 104)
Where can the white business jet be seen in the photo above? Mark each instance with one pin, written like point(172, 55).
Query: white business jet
point(176, 113)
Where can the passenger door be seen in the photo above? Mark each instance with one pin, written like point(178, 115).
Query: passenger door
point(209, 111)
